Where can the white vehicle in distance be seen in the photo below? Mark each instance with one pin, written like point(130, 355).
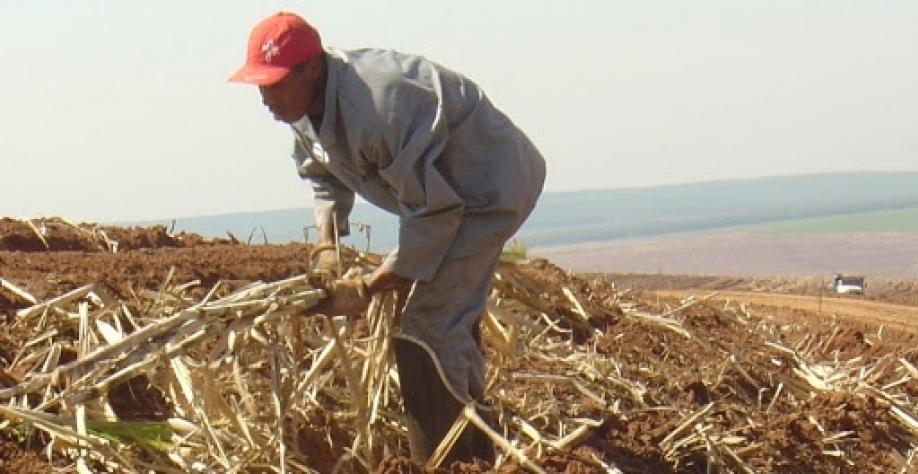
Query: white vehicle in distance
point(847, 284)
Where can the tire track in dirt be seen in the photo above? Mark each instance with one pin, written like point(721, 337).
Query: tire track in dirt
point(895, 316)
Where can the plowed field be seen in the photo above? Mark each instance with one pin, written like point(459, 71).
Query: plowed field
point(795, 307)
point(648, 382)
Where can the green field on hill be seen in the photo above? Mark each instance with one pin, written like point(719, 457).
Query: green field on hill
point(876, 221)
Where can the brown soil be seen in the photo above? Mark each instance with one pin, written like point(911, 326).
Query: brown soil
point(15, 459)
point(870, 425)
point(144, 260)
point(314, 440)
point(17, 235)
point(901, 291)
point(398, 465)
point(688, 374)
point(901, 317)
point(124, 274)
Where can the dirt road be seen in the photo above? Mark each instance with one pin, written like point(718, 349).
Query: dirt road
point(868, 312)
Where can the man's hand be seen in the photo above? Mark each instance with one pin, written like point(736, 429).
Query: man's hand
point(347, 297)
point(351, 296)
point(324, 258)
point(324, 255)
point(383, 280)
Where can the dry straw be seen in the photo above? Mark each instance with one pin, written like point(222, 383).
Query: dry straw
point(247, 378)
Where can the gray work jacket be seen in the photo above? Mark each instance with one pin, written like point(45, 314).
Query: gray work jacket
point(424, 143)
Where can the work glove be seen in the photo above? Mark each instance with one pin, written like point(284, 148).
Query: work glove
point(346, 296)
point(324, 259)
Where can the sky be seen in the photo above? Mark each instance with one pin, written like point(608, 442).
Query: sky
point(121, 110)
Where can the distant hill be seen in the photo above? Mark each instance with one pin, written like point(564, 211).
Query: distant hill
point(599, 215)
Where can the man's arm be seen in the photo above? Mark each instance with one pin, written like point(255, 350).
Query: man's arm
point(332, 200)
point(332, 203)
point(431, 210)
point(384, 280)
point(326, 230)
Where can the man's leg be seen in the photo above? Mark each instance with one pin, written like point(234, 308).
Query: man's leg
point(440, 364)
point(431, 408)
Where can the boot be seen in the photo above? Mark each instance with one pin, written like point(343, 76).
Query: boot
point(431, 409)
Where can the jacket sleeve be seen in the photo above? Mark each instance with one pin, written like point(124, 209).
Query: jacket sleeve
point(330, 197)
point(431, 210)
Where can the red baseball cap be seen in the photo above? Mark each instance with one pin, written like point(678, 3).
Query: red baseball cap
point(276, 45)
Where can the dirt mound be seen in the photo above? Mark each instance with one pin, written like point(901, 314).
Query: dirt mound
point(44, 234)
point(56, 234)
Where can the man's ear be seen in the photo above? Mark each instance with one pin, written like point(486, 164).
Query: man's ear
point(315, 66)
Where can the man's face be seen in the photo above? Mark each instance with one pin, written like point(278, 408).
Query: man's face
point(296, 94)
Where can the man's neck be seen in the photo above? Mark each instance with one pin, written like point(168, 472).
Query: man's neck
point(316, 121)
point(317, 108)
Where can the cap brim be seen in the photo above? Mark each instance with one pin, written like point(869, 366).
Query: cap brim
point(260, 74)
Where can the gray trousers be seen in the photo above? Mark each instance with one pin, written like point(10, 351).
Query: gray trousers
point(443, 316)
point(440, 363)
